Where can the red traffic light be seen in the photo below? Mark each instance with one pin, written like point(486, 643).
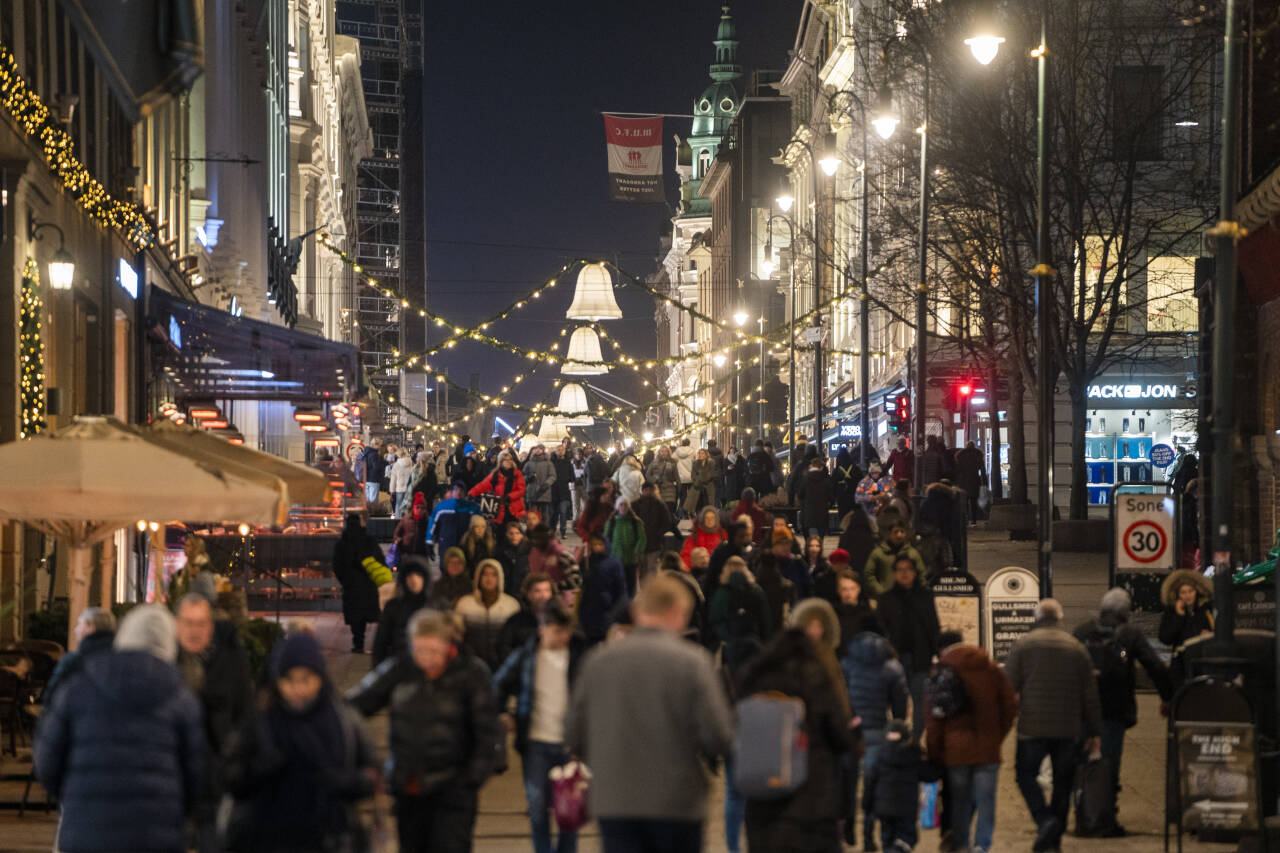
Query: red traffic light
point(965, 390)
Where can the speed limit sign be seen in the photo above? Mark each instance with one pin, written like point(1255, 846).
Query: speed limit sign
point(1145, 525)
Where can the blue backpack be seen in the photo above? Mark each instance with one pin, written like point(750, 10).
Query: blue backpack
point(770, 746)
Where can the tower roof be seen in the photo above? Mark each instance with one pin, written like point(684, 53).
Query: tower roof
point(718, 103)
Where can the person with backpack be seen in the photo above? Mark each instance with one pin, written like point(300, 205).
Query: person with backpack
point(844, 482)
point(892, 788)
point(786, 809)
point(971, 708)
point(1114, 645)
point(739, 614)
point(760, 468)
point(1052, 674)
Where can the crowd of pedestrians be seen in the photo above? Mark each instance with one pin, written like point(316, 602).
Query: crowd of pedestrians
point(656, 658)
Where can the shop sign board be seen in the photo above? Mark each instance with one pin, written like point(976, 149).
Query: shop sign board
point(1145, 391)
point(957, 597)
point(1011, 594)
point(1162, 455)
point(1255, 606)
point(1144, 526)
point(850, 429)
point(1218, 776)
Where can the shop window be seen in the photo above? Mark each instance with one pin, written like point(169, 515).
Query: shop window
point(1099, 270)
point(1171, 300)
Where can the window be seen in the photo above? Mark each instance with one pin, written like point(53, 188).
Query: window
point(1099, 273)
point(1171, 300)
point(704, 163)
point(1137, 112)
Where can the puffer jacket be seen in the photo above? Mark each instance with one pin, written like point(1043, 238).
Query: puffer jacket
point(391, 637)
point(700, 537)
point(444, 731)
point(1175, 628)
point(974, 736)
point(627, 539)
point(630, 478)
point(484, 623)
point(513, 505)
point(400, 474)
point(540, 476)
point(892, 786)
point(877, 683)
point(122, 746)
point(684, 455)
point(604, 587)
point(879, 568)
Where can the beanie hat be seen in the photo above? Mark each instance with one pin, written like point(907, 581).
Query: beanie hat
point(300, 649)
point(784, 535)
point(148, 628)
point(839, 555)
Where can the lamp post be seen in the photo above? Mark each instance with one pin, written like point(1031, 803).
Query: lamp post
point(984, 47)
point(785, 202)
point(760, 390)
point(62, 267)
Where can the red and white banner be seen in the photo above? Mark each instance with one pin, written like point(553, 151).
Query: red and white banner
point(635, 158)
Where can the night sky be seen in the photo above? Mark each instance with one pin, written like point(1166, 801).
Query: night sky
point(516, 182)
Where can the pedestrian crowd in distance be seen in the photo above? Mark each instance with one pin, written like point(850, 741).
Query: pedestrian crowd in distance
point(655, 659)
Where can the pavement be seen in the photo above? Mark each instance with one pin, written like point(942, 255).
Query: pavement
point(1080, 580)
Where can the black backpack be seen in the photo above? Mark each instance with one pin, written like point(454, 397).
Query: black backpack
point(947, 695)
point(1110, 659)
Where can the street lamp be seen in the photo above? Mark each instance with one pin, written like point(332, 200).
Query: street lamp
point(830, 160)
point(791, 336)
point(984, 47)
point(886, 120)
point(785, 201)
point(62, 268)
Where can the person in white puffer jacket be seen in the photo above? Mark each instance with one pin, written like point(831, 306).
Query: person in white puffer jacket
point(399, 476)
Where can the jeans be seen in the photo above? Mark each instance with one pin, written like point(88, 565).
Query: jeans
point(916, 684)
point(443, 822)
point(735, 810)
point(538, 760)
point(973, 788)
point(640, 835)
point(371, 491)
point(1063, 756)
point(1113, 748)
point(561, 515)
point(898, 833)
point(873, 741)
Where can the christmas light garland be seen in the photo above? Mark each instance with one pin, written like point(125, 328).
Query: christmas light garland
point(31, 353)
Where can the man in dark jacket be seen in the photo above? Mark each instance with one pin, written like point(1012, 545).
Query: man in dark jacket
point(656, 518)
point(120, 744)
point(816, 496)
point(375, 468)
point(604, 589)
point(1052, 674)
point(445, 737)
point(721, 466)
point(513, 553)
point(359, 593)
point(540, 674)
point(911, 626)
point(95, 631)
point(214, 665)
point(971, 476)
point(737, 545)
point(1113, 645)
point(412, 585)
point(760, 469)
point(536, 592)
point(561, 499)
point(790, 566)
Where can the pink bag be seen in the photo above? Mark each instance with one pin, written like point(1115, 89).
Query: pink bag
point(570, 800)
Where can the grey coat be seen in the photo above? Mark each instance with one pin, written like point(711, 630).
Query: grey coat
point(647, 714)
point(1052, 674)
point(539, 477)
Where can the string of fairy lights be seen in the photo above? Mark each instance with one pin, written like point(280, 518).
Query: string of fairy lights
point(31, 353)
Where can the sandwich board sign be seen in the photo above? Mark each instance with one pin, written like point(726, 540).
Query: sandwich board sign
point(1011, 596)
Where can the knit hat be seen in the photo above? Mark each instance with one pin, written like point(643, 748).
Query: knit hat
point(300, 649)
point(784, 535)
point(839, 555)
point(206, 585)
point(148, 628)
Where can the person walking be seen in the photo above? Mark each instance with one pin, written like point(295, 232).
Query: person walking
point(412, 585)
point(540, 674)
point(816, 496)
point(645, 715)
point(892, 788)
point(792, 566)
point(478, 543)
point(298, 768)
point(450, 520)
point(879, 568)
point(446, 740)
point(370, 469)
point(852, 609)
point(749, 507)
point(971, 476)
point(858, 537)
point(901, 464)
point(706, 533)
point(800, 662)
point(684, 456)
point(95, 631)
point(540, 479)
point(1058, 696)
point(844, 482)
point(630, 478)
point(561, 490)
point(738, 613)
point(1188, 609)
point(664, 473)
point(1114, 647)
point(359, 593)
point(455, 581)
point(702, 484)
point(122, 738)
point(911, 626)
point(869, 489)
point(966, 739)
point(399, 476)
point(536, 590)
point(604, 588)
point(594, 516)
point(626, 536)
point(657, 520)
point(760, 469)
point(410, 535)
point(485, 611)
point(737, 545)
point(507, 484)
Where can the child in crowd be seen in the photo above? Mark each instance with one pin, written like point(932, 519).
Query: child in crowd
point(892, 788)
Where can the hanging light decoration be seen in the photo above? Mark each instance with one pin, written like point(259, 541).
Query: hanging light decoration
point(584, 350)
point(593, 296)
point(552, 430)
point(573, 399)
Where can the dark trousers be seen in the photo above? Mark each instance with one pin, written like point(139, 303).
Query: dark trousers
point(538, 760)
point(898, 833)
point(357, 635)
point(561, 516)
point(443, 822)
point(1063, 756)
point(1113, 748)
point(635, 835)
point(674, 508)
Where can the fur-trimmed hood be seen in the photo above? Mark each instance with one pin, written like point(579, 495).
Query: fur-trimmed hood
point(1169, 589)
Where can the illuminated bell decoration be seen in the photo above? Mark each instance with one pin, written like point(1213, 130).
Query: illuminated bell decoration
point(573, 399)
point(552, 430)
point(593, 295)
point(584, 346)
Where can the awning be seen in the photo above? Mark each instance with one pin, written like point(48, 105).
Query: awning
point(210, 354)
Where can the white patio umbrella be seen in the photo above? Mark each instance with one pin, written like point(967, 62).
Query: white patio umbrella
point(88, 480)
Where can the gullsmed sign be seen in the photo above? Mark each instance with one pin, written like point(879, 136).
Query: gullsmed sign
point(635, 158)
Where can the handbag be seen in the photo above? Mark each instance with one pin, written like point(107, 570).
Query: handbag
point(984, 498)
point(570, 795)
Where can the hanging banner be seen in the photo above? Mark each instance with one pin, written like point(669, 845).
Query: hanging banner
point(635, 158)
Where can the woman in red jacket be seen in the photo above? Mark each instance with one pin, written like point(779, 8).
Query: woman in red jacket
point(505, 482)
point(707, 533)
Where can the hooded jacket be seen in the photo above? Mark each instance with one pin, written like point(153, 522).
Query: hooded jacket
point(393, 627)
point(1176, 629)
point(122, 747)
point(630, 478)
point(876, 681)
point(700, 537)
point(974, 736)
point(448, 589)
point(540, 477)
point(684, 455)
point(485, 622)
point(892, 786)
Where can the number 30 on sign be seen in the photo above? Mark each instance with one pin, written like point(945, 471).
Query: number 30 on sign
point(1144, 531)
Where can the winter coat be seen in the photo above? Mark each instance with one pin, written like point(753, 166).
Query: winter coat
point(515, 564)
point(359, 593)
point(971, 474)
point(401, 471)
point(517, 631)
point(444, 731)
point(296, 778)
point(937, 464)
point(72, 662)
point(122, 748)
point(779, 592)
point(760, 468)
point(375, 467)
point(604, 587)
point(700, 537)
point(550, 562)
point(854, 619)
point(876, 681)
point(564, 478)
point(630, 478)
point(796, 570)
point(540, 477)
point(759, 519)
point(626, 537)
point(911, 624)
point(974, 735)
point(703, 481)
point(656, 518)
point(517, 675)
point(392, 636)
point(448, 590)
point(1116, 694)
point(684, 456)
point(790, 665)
point(859, 539)
point(1176, 629)
point(879, 568)
point(816, 495)
point(892, 786)
point(738, 614)
point(496, 483)
point(449, 522)
point(844, 482)
point(901, 464)
point(1053, 676)
point(408, 537)
point(665, 474)
point(483, 623)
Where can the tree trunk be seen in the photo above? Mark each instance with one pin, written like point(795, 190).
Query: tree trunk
point(1079, 474)
point(1017, 435)
point(993, 412)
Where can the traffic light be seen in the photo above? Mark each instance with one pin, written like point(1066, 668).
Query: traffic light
point(957, 396)
point(898, 407)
